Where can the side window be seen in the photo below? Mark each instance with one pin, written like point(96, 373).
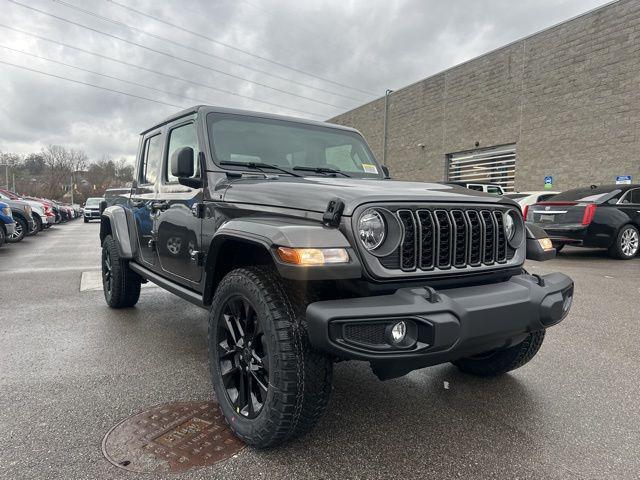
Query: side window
point(151, 155)
point(477, 188)
point(179, 137)
point(494, 190)
point(545, 197)
point(635, 196)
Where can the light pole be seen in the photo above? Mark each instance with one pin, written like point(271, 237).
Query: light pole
point(385, 126)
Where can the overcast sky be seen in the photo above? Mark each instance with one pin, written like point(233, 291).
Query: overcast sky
point(353, 49)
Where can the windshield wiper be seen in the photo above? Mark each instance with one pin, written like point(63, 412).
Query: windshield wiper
point(322, 170)
point(260, 166)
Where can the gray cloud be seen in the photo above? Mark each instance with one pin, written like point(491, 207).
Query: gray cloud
point(371, 46)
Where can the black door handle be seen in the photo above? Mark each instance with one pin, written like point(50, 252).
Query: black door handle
point(159, 206)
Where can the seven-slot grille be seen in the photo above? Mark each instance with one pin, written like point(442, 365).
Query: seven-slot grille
point(452, 238)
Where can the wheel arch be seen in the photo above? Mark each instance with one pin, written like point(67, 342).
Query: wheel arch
point(229, 251)
point(114, 221)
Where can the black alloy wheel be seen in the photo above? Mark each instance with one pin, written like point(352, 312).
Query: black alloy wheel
point(107, 271)
point(242, 356)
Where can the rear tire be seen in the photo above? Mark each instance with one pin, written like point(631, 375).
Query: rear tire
point(626, 244)
point(86, 220)
point(20, 231)
point(500, 362)
point(120, 284)
point(559, 247)
point(3, 236)
point(297, 377)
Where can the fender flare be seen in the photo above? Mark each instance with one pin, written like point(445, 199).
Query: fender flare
point(115, 221)
point(268, 233)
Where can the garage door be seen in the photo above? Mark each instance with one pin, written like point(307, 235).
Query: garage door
point(494, 165)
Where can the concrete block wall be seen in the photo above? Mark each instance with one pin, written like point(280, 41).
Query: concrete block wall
point(568, 97)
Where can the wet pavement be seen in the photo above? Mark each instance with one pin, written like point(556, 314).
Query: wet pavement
point(71, 369)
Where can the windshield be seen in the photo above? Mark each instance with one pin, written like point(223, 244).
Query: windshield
point(253, 140)
point(516, 196)
point(93, 202)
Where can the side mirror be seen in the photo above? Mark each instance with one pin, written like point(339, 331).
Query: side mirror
point(182, 167)
point(539, 246)
point(385, 170)
point(103, 205)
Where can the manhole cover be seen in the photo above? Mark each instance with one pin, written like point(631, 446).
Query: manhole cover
point(171, 438)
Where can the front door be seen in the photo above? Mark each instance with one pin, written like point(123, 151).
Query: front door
point(178, 228)
point(143, 196)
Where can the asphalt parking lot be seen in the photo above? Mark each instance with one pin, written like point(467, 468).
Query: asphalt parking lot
point(71, 369)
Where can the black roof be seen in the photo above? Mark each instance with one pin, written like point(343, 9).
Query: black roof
point(205, 109)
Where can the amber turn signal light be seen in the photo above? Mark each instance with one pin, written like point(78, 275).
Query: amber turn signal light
point(312, 256)
point(545, 243)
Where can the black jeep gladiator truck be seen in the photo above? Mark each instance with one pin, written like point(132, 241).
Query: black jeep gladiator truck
point(305, 253)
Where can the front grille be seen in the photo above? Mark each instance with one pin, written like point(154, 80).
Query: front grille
point(446, 239)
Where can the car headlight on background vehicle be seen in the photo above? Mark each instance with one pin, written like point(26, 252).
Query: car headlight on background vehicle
point(371, 229)
point(6, 211)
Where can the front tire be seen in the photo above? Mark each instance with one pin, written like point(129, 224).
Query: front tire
point(499, 362)
point(19, 231)
point(120, 284)
point(270, 383)
point(626, 244)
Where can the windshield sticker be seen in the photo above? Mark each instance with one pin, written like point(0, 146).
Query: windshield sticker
point(370, 168)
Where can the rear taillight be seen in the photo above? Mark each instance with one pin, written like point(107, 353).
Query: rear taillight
point(525, 211)
point(589, 212)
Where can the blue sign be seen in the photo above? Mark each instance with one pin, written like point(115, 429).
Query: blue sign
point(623, 179)
point(548, 182)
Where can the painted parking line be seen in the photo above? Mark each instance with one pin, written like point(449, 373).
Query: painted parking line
point(92, 281)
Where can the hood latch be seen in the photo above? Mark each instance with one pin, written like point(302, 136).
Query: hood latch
point(333, 213)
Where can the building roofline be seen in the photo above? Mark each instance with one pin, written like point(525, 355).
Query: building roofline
point(497, 49)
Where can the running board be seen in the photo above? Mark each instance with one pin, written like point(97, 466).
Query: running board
point(179, 290)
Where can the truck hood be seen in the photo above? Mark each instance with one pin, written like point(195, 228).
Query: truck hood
point(314, 193)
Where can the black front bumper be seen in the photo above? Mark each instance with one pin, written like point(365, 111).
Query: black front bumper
point(441, 326)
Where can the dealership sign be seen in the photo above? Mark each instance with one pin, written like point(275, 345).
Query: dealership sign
point(623, 179)
point(548, 182)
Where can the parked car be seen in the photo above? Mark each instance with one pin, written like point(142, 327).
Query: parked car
point(305, 253)
point(92, 209)
point(492, 188)
point(526, 199)
point(7, 223)
point(606, 216)
point(38, 209)
point(21, 212)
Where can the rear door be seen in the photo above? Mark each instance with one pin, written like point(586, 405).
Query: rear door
point(179, 228)
point(143, 195)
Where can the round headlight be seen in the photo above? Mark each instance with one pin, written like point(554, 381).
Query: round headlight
point(509, 225)
point(371, 229)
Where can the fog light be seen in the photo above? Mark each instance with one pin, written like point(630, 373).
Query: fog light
point(398, 332)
